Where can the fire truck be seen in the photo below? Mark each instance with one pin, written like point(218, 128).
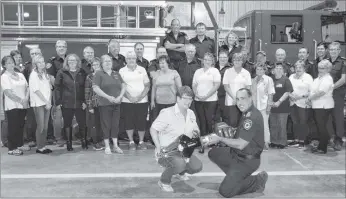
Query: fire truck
point(268, 30)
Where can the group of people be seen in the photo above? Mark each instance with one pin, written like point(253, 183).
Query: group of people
point(115, 92)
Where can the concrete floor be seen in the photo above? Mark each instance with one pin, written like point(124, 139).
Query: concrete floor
point(292, 173)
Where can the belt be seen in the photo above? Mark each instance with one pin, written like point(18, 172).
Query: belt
point(249, 157)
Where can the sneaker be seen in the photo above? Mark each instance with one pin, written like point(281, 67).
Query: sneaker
point(24, 148)
point(15, 152)
point(142, 146)
point(165, 187)
point(117, 149)
point(108, 151)
point(293, 144)
point(337, 147)
point(132, 146)
point(50, 141)
point(183, 177)
point(263, 177)
point(97, 147)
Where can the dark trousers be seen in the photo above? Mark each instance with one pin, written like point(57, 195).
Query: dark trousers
point(94, 125)
point(30, 125)
point(300, 117)
point(158, 108)
point(110, 116)
point(68, 113)
point(238, 172)
point(16, 120)
point(338, 115)
point(4, 130)
point(177, 165)
point(205, 112)
point(278, 128)
point(321, 119)
point(234, 116)
point(221, 114)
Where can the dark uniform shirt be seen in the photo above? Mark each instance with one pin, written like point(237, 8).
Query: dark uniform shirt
point(338, 69)
point(187, 70)
point(57, 64)
point(251, 128)
point(119, 62)
point(207, 45)
point(27, 70)
point(86, 66)
point(221, 91)
point(144, 63)
point(309, 67)
point(249, 66)
point(235, 49)
point(181, 39)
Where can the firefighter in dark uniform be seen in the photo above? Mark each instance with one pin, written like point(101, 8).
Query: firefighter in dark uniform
point(303, 55)
point(175, 42)
point(141, 61)
point(54, 64)
point(322, 53)
point(88, 54)
point(241, 157)
point(249, 66)
point(117, 58)
point(280, 56)
point(203, 43)
point(338, 73)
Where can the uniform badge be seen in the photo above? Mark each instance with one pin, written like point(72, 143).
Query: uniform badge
point(247, 124)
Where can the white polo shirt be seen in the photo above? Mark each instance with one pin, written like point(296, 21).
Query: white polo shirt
point(36, 84)
point(205, 81)
point(19, 87)
point(261, 91)
point(135, 81)
point(324, 83)
point(301, 86)
point(171, 124)
point(236, 81)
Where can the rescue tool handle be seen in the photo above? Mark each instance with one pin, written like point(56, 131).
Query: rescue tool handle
point(260, 44)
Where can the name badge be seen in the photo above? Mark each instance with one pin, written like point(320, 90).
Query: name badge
point(279, 85)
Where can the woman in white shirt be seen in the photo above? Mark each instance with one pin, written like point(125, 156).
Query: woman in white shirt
point(321, 98)
point(234, 79)
point(301, 83)
point(16, 92)
point(40, 99)
point(205, 83)
point(263, 91)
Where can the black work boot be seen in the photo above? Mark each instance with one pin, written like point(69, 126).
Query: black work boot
point(84, 139)
point(68, 132)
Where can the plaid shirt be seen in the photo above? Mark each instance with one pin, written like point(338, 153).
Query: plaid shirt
point(91, 97)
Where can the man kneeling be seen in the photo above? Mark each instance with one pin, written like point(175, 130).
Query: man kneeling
point(168, 126)
point(242, 156)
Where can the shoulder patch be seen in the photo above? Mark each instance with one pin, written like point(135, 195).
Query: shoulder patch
point(247, 124)
point(311, 62)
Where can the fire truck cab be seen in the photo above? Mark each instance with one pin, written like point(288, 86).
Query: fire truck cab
point(268, 30)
